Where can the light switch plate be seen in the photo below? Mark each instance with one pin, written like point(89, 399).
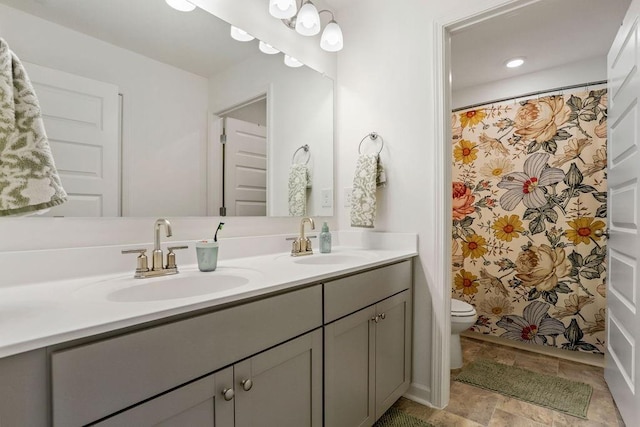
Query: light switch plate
point(327, 198)
point(347, 197)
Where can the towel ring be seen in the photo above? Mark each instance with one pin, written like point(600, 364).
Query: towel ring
point(373, 137)
point(305, 147)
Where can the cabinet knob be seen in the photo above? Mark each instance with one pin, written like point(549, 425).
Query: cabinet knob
point(228, 394)
point(375, 319)
point(383, 316)
point(247, 384)
point(601, 233)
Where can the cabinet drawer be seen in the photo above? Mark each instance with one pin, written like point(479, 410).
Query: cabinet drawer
point(344, 296)
point(92, 381)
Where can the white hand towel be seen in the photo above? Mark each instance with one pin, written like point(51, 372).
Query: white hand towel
point(298, 181)
point(363, 195)
point(29, 180)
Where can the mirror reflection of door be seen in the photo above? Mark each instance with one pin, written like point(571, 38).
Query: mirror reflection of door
point(244, 153)
point(81, 118)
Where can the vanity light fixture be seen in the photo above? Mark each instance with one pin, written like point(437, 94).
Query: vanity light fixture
point(283, 9)
point(181, 5)
point(514, 62)
point(331, 39)
point(306, 21)
point(267, 48)
point(240, 35)
point(292, 62)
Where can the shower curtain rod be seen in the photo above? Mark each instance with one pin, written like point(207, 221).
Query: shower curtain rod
point(540, 92)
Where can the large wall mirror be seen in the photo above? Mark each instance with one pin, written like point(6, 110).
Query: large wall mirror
point(136, 97)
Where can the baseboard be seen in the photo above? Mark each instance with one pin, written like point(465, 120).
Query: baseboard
point(574, 356)
point(419, 394)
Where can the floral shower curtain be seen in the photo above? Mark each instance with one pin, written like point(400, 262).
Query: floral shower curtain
point(529, 203)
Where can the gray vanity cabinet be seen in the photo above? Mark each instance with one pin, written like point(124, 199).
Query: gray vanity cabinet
point(367, 352)
point(201, 403)
point(97, 380)
point(281, 387)
point(286, 385)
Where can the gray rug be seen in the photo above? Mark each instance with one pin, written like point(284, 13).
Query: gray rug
point(566, 396)
point(397, 418)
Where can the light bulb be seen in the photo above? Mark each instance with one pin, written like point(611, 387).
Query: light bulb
point(181, 5)
point(240, 35)
point(308, 20)
point(283, 9)
point(331, 40)
point(292, 62)
point(267, 48)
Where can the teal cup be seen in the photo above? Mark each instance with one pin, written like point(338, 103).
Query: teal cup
point(207, 254)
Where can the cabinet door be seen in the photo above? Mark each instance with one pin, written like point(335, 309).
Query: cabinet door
point(392, 350)
point(281, 387)
point(200, 403)
point(349, 370)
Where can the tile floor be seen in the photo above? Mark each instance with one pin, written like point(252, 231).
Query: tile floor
point(474, 407)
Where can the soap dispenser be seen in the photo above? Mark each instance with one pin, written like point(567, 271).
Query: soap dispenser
point(325, 239)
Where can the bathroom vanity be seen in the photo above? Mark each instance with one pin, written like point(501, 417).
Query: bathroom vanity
point(254, 355)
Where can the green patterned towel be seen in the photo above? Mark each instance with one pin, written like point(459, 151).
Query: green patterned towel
point(363, 194)
point(298, 184)
point(29, 180)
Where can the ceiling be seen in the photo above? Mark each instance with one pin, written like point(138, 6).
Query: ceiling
point(548, 33)
point(194, 41)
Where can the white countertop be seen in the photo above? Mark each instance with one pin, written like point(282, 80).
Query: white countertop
point(42, 314)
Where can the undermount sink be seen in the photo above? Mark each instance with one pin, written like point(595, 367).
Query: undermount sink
point(182, 285)
point(331, 258)
point(179, 287)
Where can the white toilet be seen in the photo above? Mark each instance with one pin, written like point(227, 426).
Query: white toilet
point(463, 316)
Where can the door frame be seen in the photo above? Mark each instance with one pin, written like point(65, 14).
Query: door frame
point(441, 88)
point(214, 148)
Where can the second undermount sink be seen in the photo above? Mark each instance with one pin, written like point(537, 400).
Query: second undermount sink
point(182, 285)
point(331, 258)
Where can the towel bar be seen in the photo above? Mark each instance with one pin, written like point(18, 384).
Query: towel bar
point(305, 147)
point(373, 136)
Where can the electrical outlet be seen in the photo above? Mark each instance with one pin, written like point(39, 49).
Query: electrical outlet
point(327, 198)
point(347, 197)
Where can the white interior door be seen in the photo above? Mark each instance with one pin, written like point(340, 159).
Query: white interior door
point(623, 319)
point(81, 120)
point(245, 168)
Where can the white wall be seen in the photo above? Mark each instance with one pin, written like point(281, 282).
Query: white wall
point(164, 112)
point(300, 111)
point(586, 71)
point(386, 84)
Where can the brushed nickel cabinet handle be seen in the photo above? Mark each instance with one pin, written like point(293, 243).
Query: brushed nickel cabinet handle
point(375, 319)
point(383, 316)
point(247, 384)
point(228, 394)
point(601, 233)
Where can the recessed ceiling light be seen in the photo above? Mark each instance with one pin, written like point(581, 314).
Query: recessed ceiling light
point(181, 5)
point(515, 62)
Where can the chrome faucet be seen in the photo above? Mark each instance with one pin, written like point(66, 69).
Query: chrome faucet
point(302, 245)
point(157, 268)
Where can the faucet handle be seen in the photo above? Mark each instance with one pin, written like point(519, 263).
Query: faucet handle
point(298, 238)
point(142, 264)
point(171, 257)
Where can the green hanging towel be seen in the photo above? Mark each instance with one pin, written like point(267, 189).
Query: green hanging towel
point(29, 181)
